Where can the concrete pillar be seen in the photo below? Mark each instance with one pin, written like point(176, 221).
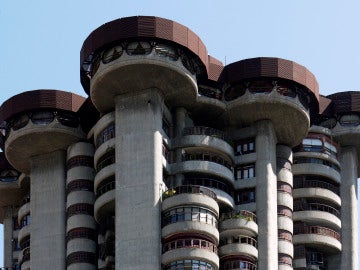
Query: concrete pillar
point(47, 207)
point(8, 236)
point(139, 182)
point(349, 209)
point(266, 195)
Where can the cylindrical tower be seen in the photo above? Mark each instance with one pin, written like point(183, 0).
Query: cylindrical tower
point(267, 94)
point(40, 125)
point(81, 228)
point(341, 114)
point(133, 71)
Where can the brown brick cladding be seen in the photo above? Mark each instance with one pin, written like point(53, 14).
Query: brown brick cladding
point(271, 68)
point(40, 99)
point(345, 102)
point(143, 26)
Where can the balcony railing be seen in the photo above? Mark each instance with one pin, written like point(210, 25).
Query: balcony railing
point(207, 157)
point(316, 207)
point(208, 131)
point(242, 214)
point(190, 243)
point(189, 190)
point(316, 184)
point(316, 230)
point(209, 183)
point(105, 188)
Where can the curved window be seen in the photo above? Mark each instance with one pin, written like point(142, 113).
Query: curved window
point(189, 243)
point(207, 157)
point(20, 122)
point(80, 209)
point(189, 265)
point(240, 263)
point(180, 214)
point(106, 134)
point(81, 232)
point(77, 161)
point(166, 51)
point(284, 187)
point(138, 48)
point(209, 182)
point(285, 259)
point(112, 54)
point(300, 160)
point(26, 220)
point(350, 120)
point(80, 185)
point(284, 211)
point(312, 145)
point(8, 176)
point(42, 117)
point(285, 235)
point(68, 119)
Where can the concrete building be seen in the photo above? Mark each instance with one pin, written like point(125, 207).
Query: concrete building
point(175, 161)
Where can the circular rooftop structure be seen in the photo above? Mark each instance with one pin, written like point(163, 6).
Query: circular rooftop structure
point(38, 122)
point(145, 29)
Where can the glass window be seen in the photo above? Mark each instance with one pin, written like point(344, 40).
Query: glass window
point(42, 118)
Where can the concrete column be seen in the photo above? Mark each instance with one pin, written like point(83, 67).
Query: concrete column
point(349, 209)
point(8, 236)
point(47, 207)
point(266, 195)
point(139, 182)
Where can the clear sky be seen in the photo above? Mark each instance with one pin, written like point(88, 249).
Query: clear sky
point(40, 40)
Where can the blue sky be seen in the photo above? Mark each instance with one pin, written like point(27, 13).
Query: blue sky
point(40, 40)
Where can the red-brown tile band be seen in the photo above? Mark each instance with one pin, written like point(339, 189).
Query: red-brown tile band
point(40, 99)
point(143, 27)
point(345, 102)
point(271, 68)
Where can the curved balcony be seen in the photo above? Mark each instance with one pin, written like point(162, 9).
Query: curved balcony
point(317, 169)
point(24, 232)
point(268, 99)
point(203, 166)
point(192, 252)
point(238, 222)
point(318, 237)
point(25, 257)
point(284, 198)
point(285, 223)
point(190, 264)
point(236, 264)
point(205, 137)
point(318, 213)
point(286, 247)
point(161, 64)
point(104, 174)
point(196, 226)
point(224, 191)
point(104, 205)
point(29, 132)
point(193, 195)
point(210, 100)
point(23, 211)
point(240, 245)
point(108, 145)
point(103, 130)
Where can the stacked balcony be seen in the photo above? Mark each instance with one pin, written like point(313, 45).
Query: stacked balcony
point(189, 228)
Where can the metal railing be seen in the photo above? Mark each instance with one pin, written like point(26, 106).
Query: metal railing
point(242, 214)
point(317, 207)
point(189, 190)
point(316, 230)
point(200, 130)
point(189, 243)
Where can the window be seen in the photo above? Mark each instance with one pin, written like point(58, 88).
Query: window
point(312, 145)
point(244, 147)
point(245, 171)
point(245, 196)
point(189, 214)
point(106, 134)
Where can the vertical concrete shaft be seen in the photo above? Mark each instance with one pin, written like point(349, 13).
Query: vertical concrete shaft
point(138, 181)
point(349, 210)
point(47, 207)
point(266, 195)
point(8, 236)
point(180, 125)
